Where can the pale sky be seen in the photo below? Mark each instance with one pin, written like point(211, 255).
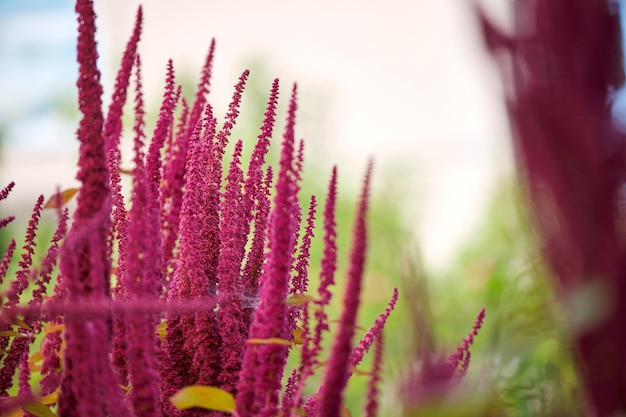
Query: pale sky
point(407, 82)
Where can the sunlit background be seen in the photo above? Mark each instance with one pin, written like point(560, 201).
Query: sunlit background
point(407, 82)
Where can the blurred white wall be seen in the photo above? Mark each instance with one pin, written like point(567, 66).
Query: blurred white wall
point(405, 81)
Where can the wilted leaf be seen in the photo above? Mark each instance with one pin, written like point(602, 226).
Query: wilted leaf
point(50, 399)
point(38, 409)
point(11, 333)
point(298, 336)
point(298, 299)
point(162, 330)
point(21, 323)
point(51, 328)
point(63, 198)
point(203, 396)
point(269, 341)
point(33, 361)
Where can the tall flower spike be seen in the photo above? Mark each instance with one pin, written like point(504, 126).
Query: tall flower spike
point(335, 377)
point(375, 331)
point(460, 359)
point(254, 263)
point(327, 274)
point(113, 125)
point(172, 189)
point(3, 194)
point(161, 132)
point(140, 279)
point(261, 397)
point(203, 89)
point(85, 264)
point(6, 259)
point(189, 272)
point(371, 402)
point(233, 238)
point(11, 359)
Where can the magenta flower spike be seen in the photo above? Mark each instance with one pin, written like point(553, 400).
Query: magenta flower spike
point(140, 280)
point(253, 268)
point(327, 276)
point(161, 132)
point(374, 332)
point(300, 281)
point(3, 194)
point(189, 273)
point(233, 237)
point(461, 358)
point(336, 375)
point(254, 176)
point(567, 61)
point(11, 359)
point(85, 263)
point(112, 129)
point(6, 259)
point(371, 402)
point(260, 397)
point(204, 86)
point(171, 197)
point(174, 170)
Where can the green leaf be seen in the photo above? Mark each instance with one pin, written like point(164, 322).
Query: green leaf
point(203, 396)
point(38, 409)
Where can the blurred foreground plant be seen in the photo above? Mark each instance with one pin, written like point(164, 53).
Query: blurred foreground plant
point(567, 61)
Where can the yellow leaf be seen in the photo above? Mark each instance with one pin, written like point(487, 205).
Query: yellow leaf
point(298, 335)
point(63, 198)
point(38, 409)
point(298, 299)
point(203, 396)
point(11, 333)
point(50, 398)
point(269, 341)
point(51, 328)
point(33, 361)
point(162, 330)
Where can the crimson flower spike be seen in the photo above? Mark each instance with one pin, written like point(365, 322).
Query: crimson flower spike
point(113, 125)
point(336, 375)
point(566, 61)
point(85, 263)
point(371, 403)
point(233, 240)
point(260, 379)
point(3, 194)
point(203, 89)
point(140, 280)
point(374, 332)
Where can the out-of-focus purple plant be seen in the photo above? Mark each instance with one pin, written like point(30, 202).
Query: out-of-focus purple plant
point(189, 302)
point(561, 66)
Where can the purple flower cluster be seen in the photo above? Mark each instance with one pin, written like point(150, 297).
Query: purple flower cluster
point(202, 281)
